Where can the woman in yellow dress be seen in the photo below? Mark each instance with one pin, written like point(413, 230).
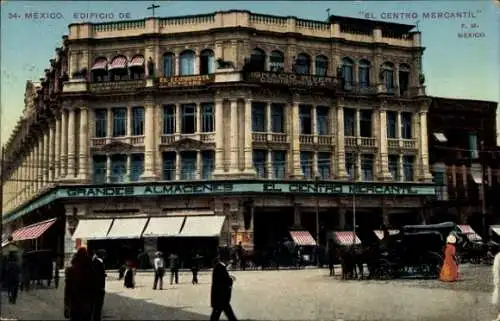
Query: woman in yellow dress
point(449, 271)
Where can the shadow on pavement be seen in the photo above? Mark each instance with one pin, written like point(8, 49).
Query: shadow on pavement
point(47, 304)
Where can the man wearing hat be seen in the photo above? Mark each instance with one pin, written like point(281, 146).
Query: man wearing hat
point(449, 271)
point(159, 266)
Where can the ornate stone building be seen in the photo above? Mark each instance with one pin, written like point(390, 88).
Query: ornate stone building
point(230, 124)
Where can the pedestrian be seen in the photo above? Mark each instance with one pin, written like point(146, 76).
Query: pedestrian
point(79, 287)
point(241, 256)
point(331, 259)
point(12, 276)
point(100, 285)
point(220, 296)
point(128, 280)
point(159, 267)
point(174, 268)
point(195, 268)
point(496, 285)
point(449, 271)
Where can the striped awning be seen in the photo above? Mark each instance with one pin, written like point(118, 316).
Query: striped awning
point(345, 238)
point(380, 233)
point(118, 63)
point(302, 238)
point(33, 231)
point(469, 232)
point(137, 61)
point(100, 64)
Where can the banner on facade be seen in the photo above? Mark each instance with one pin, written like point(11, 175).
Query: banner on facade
point(185, 81)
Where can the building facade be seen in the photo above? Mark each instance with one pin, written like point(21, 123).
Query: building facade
point(465, 161)
point(270, 123)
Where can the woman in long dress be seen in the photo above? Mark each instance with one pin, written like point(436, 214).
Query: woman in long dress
point(496, 284)
point(449, 271)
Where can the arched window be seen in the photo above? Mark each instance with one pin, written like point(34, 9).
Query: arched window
point(364, 74)
point(277, 61)
point(118, 68)
point(136, 66)
point(404, 79)
point(99, 69)
point(207, 62)
point(388, 76)
point(258, 60)
point(321, 65)
point(168, 64)
point(186, 63)
point(347, 72)
point(302, 64)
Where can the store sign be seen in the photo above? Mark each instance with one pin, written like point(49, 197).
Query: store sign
point(185, 81)
point(292, 80)
point(249, 187)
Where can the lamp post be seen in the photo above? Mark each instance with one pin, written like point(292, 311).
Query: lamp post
point(317, 223)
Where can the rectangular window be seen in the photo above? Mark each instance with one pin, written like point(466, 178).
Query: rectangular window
point(474, 154)
point(408, 164)
point(351, 165)
point(207, 117)
point(169, 120)
point(406, 126)
point(99, 169)
point(168, 65)
point(391, 124)
point(188, 165)
point(389, 80)
point(347, 75)
point(137, 167)
point(118, 168)
point(367, 167)
point(306, 164)
point(394, 167)
point(119, 122)
point(322, 120)
point(279, 164)
point(188, 118)
point(208, 163)
point(277, 118)
point(324, 168)
point(404, 80)
point(349, 122)
point(138, 121)
point(101, 123)
point(169, 166)
point(259, 117)
point(259, 162)
point(365, 123)
point(305, 119)
point(364, 76)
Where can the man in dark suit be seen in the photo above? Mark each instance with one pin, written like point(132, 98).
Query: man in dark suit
point(100, 285)
point(220, 296)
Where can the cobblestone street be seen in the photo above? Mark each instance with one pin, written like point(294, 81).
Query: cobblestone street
point(284, 295)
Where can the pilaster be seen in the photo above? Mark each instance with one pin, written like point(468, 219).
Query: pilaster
point(149, 141)
point(219, 138)
point(71, 144)
point(383, 171)
point(64, 144)
point(52, 145)
point(341, 170)
point(178, 166)
point(46, 157)
point(108, 168)
point(39, 164)
point(57, 149)
point(248, 150)
point(233, 167)
point(294, 130)
point(83, 154)
point(425, 174)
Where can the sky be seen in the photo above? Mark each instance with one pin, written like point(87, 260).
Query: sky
point(454, 67)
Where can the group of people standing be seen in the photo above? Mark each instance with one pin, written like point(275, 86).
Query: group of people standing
point(174, 264)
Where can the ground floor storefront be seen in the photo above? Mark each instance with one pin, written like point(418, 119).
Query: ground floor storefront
point(197, 218)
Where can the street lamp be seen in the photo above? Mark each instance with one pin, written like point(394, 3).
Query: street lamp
point(318, 177)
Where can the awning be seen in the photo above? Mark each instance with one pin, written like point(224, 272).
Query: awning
point(203, 226)
point(440, 137)
point(380, 233)
point(100, 64)
point(496, 229)
point(476, 172)
point(33, 231)
point(345, 238)
point(137, 61)
point(302, 238)
point(118, 63)
point(5, 243)
point(92, 229)
point(127, 228)
point(164, 226)
point(469, 232)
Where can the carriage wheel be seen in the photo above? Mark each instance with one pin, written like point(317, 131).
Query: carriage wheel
point(383, 270)
point(433, 264)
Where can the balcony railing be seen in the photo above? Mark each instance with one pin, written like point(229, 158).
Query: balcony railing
point(167, 139)
point(279, 138)
point(325, 140)
point(368, 142)
point(393, 143)
point(259, 137)
point(207, 137)
point(116, 86)
point(409, 143)
point(137, 140)
point(360, 142)
point(131, 140)
point(306, 139)
point(350, 141)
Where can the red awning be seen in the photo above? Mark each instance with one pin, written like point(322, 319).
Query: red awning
point(345, 238)
point(100, 64)
point(302, 238)
point(33, 231)
point(380, 233)
point(137, 61)
point(118, 63)
point(469, 232)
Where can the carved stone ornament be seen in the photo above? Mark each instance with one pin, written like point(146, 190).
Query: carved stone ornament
point(118, 147)
point(187, 144)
